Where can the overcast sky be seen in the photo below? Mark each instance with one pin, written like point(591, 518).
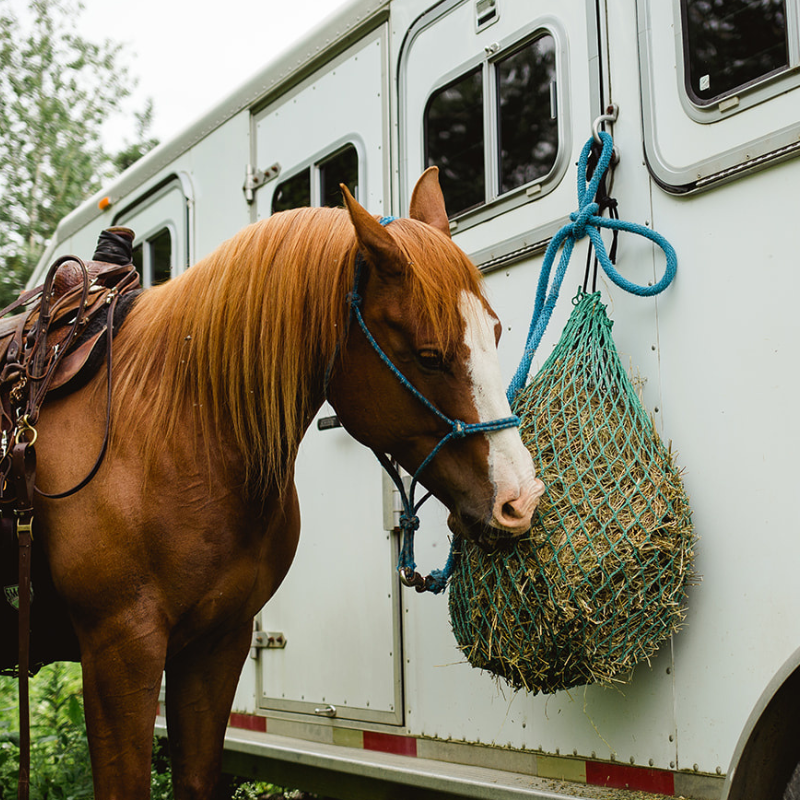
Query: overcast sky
point(189, 55)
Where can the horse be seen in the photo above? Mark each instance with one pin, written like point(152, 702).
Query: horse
point(192, 520)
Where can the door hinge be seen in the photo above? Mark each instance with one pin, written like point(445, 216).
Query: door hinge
point(256, 178)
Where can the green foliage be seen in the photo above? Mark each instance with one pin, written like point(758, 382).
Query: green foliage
point(60, 768)
point(142, 143)
point(56, 91)
point(160, 771)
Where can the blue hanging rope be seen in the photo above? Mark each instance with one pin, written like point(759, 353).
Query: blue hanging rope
point(585, 222)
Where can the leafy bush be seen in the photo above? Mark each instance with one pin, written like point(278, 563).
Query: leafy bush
point(60, 765)
point(60, 768)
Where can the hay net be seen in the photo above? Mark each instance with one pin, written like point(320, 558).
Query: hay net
point(598, 582)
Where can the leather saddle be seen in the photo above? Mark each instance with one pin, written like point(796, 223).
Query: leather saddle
point(68, 309)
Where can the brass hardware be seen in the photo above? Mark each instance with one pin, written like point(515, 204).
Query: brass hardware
point(23, 429)
point(25, 527)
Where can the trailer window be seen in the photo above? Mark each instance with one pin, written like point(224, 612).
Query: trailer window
point(732, 44)
point(161, 257)
point(319, 181)
point(339, 168)
point(526, 117)
point(454, 141)
point(295, 192)
point(514, 95)
point(153, 258)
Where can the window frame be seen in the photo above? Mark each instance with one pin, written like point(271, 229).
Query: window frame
point(741, 97)
point(314, 163)
point(685, 155)
point(495, 202)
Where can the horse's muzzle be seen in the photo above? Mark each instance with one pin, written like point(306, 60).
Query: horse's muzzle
point(511, 518)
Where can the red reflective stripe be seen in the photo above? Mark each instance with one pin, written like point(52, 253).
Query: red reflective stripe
point(618, 776)
point(390, 743)
point(249, 722)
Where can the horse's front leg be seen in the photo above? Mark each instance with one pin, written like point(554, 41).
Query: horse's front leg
point(123, 662)
point(201, 683)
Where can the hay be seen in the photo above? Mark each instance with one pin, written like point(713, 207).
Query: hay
point(599, 581)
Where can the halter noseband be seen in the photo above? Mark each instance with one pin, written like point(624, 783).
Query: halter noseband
point(409, 521)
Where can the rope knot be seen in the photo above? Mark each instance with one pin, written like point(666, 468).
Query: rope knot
point(353, 299)
point(459, 429)
point(581, 218)
point(409, 522)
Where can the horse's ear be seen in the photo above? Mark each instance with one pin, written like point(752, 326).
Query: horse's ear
point(376, 242)
point(427, 201)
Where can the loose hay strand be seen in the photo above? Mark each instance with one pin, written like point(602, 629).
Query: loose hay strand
point(599, 581)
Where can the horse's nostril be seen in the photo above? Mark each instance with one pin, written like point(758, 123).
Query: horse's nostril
point(514, 510)
point(513, 514)
point(510, 511)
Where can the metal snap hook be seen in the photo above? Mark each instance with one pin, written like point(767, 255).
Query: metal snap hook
point(612, 112)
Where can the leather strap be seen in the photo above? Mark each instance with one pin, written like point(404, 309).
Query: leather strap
point(109, 365)
point(23, 458)
point(24, 620)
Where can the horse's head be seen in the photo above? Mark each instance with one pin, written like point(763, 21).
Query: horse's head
point(420, 298)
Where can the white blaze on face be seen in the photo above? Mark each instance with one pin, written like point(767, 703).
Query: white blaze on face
point(511, 470)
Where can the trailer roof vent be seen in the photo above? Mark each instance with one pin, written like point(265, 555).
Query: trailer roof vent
point(486, 13)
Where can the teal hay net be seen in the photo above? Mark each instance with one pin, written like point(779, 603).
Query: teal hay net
point(599, 581)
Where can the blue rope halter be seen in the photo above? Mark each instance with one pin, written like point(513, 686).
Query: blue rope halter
point(436, 582)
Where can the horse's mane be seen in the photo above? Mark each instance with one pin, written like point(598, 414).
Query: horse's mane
point(242, 340)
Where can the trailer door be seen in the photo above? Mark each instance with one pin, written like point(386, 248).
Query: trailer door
point(330, 645)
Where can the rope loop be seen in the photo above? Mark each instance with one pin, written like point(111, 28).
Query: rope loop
point(586, 221)
point(580, 219)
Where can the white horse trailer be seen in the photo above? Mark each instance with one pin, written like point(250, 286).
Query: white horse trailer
point(354, 686)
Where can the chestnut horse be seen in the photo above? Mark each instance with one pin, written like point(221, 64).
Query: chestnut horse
point(192, 522)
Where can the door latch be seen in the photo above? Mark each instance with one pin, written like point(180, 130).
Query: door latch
point(266, 640)
point(256, 178)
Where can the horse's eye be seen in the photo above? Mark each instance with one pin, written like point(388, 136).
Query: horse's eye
point(431, 360)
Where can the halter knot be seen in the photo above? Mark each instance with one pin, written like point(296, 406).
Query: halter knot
point(353, 299)
point(581, 218)
point(409, 522)
point(459, 429)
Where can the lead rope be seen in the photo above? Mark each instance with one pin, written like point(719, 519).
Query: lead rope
point(436, 582)
point(585, 222)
